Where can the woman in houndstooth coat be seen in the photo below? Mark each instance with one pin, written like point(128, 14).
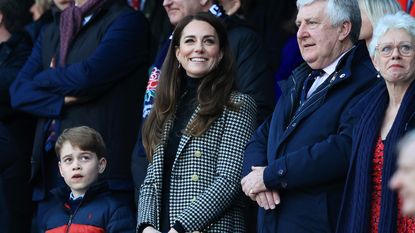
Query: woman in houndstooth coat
point(195, 136)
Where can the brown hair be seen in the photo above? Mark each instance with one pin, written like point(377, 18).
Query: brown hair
point(212, 94)
point(83, 137)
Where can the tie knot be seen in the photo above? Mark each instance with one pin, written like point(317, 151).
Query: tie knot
point(317, 73)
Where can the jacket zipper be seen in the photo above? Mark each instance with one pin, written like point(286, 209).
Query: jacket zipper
point(69, 223)
point(71, 216)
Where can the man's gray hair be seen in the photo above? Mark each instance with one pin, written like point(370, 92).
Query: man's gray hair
point(340, 11)
point(400, 20)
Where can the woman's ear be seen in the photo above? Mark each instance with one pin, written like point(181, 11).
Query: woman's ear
point(178, 54)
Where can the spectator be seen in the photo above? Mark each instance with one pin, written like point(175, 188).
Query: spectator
point(75, 80)
point(195, 136)
point(253, 76)
point(403, 180)
point(294, 166)
point(16, 128)
point(371, 11)
point(85, 201)
point(369, 205)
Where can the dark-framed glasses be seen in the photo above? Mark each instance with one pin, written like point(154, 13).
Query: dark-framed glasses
point(406, 49)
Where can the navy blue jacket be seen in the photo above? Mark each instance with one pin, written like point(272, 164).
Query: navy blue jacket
point(16, 128)
point(306, 148)
point(97, 212)
point(107, 68)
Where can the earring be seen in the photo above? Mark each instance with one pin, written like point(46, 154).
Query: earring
point(179, 65)
point(378, 75)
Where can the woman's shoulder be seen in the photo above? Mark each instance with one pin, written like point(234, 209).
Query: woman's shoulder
point(240, 98)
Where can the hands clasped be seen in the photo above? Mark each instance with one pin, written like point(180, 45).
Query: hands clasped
point(253, 186)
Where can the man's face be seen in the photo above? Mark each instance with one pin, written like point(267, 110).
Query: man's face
point(79, 168)
point(178, 9)
point(62, 4)
point(319, 41)
point(403, 180)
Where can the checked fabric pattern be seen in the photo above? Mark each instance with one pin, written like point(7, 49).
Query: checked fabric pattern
point(205, 183)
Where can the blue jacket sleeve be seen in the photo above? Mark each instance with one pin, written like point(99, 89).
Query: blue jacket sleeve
point(26, 95)
point(256, 149)
point(120, 51)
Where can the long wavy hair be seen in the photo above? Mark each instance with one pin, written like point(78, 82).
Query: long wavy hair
point(212, 94)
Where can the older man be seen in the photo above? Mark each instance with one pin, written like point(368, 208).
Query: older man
point(297, 160)
point(403, 180)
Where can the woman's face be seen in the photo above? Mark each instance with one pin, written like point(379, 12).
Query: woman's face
point(396, 67)
point(199, 49)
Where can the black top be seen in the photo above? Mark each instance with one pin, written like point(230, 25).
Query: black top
point(185, 108)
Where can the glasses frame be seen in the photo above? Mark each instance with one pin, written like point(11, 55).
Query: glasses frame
point(396, 46)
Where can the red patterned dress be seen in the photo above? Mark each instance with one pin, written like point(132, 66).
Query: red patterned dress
point(405, 224)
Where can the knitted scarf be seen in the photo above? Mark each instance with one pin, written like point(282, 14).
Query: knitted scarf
point(355, 210)
point(71, 22)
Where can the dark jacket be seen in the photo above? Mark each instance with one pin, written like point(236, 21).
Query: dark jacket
point(254, 75)
point(97, 212)
point(306, 148)
point(17, 128)
point(106, 68)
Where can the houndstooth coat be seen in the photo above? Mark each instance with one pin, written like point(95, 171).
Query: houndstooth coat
point(205, 192)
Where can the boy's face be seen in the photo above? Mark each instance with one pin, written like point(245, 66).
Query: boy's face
point(79, 168)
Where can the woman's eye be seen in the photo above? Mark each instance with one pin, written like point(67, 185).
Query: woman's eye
point(386, 48)
point(188, 41)
point(209, 41)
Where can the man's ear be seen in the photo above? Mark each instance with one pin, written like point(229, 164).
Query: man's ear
point(345, 29)
point(102, 164)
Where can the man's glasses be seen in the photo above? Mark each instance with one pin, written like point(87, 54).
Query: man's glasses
point(405, 49)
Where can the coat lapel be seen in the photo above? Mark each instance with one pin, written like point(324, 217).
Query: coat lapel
point(185, 138)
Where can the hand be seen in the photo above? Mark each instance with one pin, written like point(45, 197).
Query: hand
point(253, 183)
point(268, 199)
point(150, 229)
point(172, 230)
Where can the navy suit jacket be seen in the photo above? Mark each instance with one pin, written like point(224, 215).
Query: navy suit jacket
point(306, 147)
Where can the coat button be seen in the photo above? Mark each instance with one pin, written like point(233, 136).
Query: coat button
point(342, 75)
point(198, 154)
point(195, 177)
point(293, 124)
point(284, 184)
point(280, 172)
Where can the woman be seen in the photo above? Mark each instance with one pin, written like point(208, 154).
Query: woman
point(370, 12)
point(88, 67)
point(195, 135)
point(369, 205)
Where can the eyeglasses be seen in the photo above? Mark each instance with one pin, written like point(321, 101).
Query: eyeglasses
point(406, 49)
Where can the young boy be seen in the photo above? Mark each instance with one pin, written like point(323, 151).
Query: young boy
point(86, 205)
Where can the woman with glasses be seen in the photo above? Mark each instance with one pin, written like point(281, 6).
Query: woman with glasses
point(368, 204)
